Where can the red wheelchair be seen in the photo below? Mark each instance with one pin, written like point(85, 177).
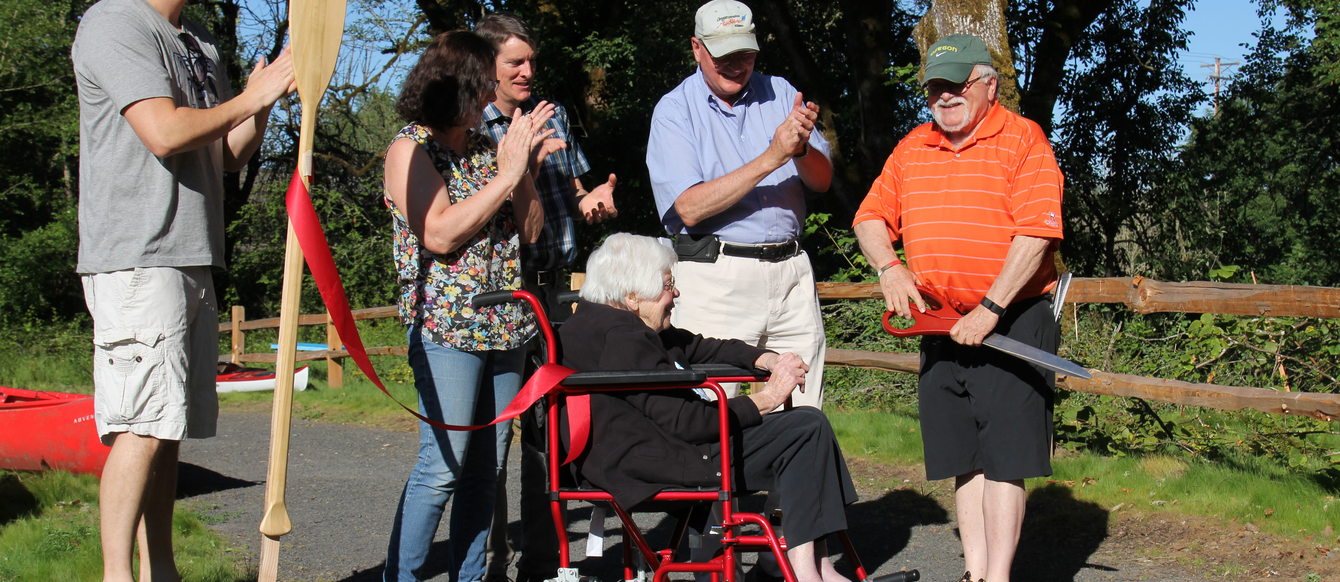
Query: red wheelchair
point(738, 531)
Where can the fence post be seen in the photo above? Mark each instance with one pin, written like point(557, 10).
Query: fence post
point(238, 314)
point(334, 369)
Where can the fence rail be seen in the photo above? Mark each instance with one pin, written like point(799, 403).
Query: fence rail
point(1139, 294)
point(1149, 296)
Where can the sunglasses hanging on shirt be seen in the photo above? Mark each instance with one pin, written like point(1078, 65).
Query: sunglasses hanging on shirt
point(198, 65)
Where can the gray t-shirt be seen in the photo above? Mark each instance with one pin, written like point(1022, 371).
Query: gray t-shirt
point(136, 209)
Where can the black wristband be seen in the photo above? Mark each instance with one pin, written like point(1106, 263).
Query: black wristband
point(992, 307)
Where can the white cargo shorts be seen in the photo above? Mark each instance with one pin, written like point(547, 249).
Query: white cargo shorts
point(155, 352)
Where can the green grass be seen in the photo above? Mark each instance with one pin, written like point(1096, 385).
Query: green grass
point(57, 358)
point(49, 531)
point(1244, 486)
point(1242, 489)
point(884, 437)
point(1245, 491)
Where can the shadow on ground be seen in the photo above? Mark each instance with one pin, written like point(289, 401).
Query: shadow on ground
point(15, 499)
point(1059, 534)
point(193, 480)
point(880, 528)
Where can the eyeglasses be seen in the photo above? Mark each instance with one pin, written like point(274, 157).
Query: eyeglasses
point(940, 86)
point(669, 285)
point(735, 60)
point(198, 64)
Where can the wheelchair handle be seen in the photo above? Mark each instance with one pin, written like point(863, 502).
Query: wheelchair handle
point(542, 319)
point(493, 298)
point(904, 576)
point(567, 297)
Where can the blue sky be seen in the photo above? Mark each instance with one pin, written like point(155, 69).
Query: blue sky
point(1220, 27)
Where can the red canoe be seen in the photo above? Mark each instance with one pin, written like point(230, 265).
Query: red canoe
point(235, 378)
point(49, 430)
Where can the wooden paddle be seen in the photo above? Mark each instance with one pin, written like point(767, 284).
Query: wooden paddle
point(316, 27)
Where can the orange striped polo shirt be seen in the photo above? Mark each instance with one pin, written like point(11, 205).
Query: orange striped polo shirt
point(957, 210)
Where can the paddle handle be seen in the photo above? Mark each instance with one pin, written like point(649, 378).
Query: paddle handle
point(276, 520)
point(306, 138)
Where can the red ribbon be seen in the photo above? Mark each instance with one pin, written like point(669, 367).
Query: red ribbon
point(316, 251)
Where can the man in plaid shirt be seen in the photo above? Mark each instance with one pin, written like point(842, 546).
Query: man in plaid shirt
point(562, 194)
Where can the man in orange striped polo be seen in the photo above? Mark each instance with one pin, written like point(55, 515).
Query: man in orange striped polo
point(975, 200)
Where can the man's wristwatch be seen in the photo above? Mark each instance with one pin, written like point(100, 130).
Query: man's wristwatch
point(887, 266)
point(992, 306)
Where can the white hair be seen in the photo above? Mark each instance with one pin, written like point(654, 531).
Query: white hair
point(626, 264)
point(987, 73)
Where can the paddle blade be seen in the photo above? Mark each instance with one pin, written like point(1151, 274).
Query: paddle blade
point(316, 27)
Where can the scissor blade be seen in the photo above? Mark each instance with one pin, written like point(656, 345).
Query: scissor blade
point(1062, 286)
point(1042, 358)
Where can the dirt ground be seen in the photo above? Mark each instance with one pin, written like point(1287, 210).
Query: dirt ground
point(1065, 538)
point(1063, 535)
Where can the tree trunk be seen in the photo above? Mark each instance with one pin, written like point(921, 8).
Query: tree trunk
point(867, 24)
point(1061, 28)
point(983, 18)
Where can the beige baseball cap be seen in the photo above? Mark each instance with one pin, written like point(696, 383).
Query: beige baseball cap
point(725, 27)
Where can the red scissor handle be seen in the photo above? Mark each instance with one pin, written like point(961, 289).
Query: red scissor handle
point(938, 318)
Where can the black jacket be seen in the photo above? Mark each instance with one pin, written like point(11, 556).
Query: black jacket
point(643, 442)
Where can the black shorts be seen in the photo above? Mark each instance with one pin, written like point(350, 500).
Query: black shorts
point(985, 410)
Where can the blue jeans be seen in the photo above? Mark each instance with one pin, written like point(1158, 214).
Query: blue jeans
point(460, 388)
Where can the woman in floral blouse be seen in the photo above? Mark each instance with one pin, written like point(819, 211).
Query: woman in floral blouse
point(460, 210)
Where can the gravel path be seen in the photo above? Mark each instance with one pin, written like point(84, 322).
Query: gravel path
point(344, 482)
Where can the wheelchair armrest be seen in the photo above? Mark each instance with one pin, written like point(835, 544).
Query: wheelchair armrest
point(729, 371)
point(625, 377)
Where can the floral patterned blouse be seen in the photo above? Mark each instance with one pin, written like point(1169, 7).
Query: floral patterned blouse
point(435, 290)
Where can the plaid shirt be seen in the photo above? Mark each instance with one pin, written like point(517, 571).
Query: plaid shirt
point(557, 245)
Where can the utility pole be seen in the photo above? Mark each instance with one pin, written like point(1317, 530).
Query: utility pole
point(1216, 77)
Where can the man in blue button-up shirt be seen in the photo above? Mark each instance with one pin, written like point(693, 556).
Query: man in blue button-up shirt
point(731, 154)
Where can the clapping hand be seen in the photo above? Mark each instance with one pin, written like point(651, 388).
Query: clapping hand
point(525, 141)
point(793, 134)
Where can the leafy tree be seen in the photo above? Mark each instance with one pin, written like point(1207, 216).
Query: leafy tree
point(347, 194)
point(1125, 103)
point(39, 137)
point(1257, 181)
point(610, 62)
point(1044, 34)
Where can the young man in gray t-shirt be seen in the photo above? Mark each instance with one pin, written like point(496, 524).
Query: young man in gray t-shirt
point(158, 126)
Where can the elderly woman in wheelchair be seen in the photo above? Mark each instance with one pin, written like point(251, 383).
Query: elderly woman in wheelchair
point(645, 441)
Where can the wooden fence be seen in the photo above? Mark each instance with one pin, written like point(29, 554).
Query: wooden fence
point(1138, 294)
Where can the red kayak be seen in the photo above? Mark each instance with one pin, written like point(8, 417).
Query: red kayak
point(49, 430)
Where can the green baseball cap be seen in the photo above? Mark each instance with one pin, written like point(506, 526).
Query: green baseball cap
point(953, 57)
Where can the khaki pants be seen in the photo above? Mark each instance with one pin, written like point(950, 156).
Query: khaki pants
point(770, 305)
